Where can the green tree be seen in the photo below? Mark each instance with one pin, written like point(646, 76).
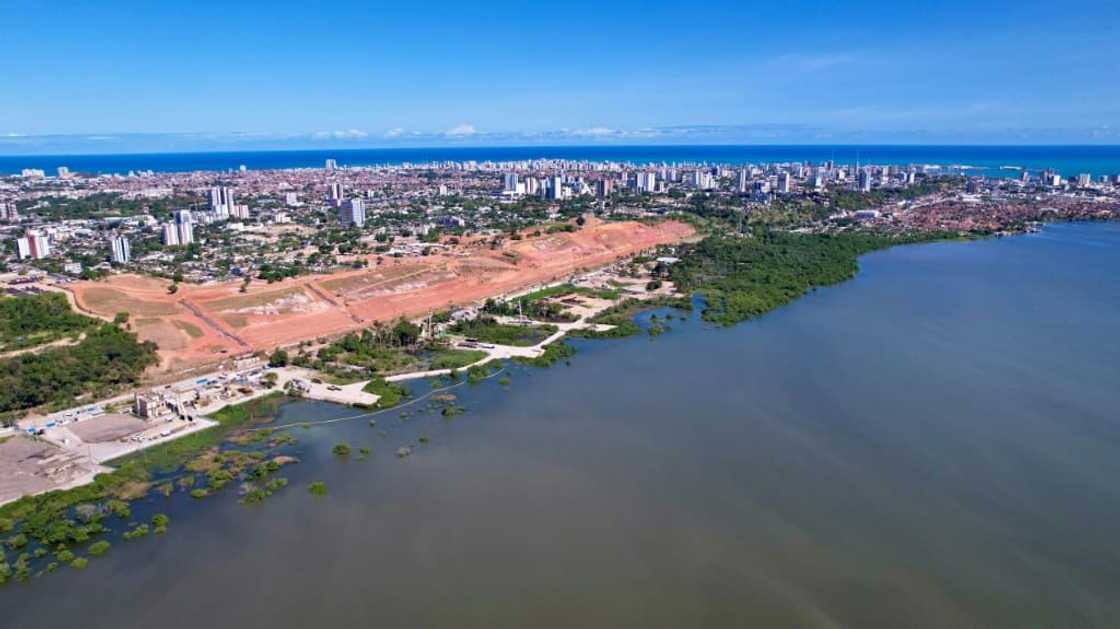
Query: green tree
point(279, 358)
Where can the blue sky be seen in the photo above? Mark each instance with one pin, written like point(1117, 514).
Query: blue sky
point(147, 75)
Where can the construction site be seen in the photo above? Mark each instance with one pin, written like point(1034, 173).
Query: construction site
point(199, 325)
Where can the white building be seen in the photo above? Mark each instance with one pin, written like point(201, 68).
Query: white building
point(119, 250)
point(702, 180)
point(8, 212)
point(555, 188)
point(221, 202)
point(184, 226)
point(34, 245)
point(353, 212)
point(170, 234)
point(783, 183)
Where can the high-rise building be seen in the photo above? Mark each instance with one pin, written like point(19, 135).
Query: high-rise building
point(603, 188)
point(783, 183)
point(184, 226)
point(1084, 179)
point(9, 212)
point(63, 172)
point(34, 245)
point(353, 212)
point(510, 182)
point(556, 188)
point(744, 181)
point(330, 164)
point(119, 251)
point(170, 234)
point(864, 180)
point(646, 182)
point(334, 191)
point(221, 202)
point(291, 199)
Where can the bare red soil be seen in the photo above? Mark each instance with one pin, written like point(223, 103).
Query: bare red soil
point(204, 324)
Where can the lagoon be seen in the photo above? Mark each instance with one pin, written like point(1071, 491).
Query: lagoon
point(935, 443)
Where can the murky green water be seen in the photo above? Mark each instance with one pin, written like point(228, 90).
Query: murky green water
point(934, 444)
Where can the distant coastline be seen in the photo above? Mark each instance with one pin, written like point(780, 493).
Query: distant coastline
point(992, 161)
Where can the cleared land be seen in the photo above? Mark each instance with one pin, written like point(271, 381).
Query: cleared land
point(108, 428)
point(200, 325)
point(28, 466)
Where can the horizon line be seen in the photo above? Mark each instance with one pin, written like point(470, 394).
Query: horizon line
point(352, 149)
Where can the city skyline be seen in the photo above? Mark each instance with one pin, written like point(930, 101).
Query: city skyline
point(119, 78)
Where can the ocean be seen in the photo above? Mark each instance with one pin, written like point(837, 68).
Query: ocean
point(987, 160)
point(933, 444)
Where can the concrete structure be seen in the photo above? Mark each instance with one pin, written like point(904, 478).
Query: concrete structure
point(353, 212)
point(35, 245)
point(170, 235)
point(184, 226)
point(119, 251)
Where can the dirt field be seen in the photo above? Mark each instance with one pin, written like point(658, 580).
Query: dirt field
point(30, 467)
point(107, 428)
point(205, 324)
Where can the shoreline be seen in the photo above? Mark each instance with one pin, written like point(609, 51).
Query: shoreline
point(127, 465)
point(991, 157)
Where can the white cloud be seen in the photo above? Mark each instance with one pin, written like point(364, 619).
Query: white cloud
point(594, 132)
point(344, 134)
point(394, 133)
point(462, 130)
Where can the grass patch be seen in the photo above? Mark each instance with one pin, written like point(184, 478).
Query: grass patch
point(488, 330)
point(553, 352)
point(454, 358)
point(389, 394)
point(621, 316)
